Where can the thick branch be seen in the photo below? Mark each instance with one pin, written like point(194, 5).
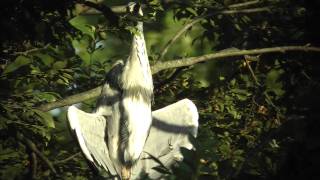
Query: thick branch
point(95, 11)
point(106, 11)
point(123, 8)
point(219, 55)
point(72, 99)
point(33, 165)
point(179, 63)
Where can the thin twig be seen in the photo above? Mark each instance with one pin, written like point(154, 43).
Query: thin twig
point(34, 149)
point(67, 159)
point(198, 19)
point(251, 71)
point(244, 4)
point(177, 35)
point(25, 53)
point(172, 77)
point(246, 11)
point(116, 9)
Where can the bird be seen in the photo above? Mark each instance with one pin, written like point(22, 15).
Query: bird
point(131, 115)
point(136, 86)
point(123, 127)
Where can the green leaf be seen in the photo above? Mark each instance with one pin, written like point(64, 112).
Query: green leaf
point(81, 49)
point(8, 154)
point(49, 97)
point(45, 118)
point(19, 62)
point(45, 58)
point(59, 65)
point(272, 82)
point(85, 24)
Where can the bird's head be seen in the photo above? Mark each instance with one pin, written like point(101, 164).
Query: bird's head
point(135, 9)
point(135, 16)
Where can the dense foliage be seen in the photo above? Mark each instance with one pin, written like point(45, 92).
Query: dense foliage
point(258, 114)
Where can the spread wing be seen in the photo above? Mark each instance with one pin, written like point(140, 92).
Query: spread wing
point(169, 132)
point(90, 130)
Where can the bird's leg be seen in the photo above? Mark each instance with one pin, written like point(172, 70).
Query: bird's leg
point(125, 172)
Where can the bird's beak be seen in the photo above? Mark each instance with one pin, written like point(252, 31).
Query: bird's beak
point(134, 8)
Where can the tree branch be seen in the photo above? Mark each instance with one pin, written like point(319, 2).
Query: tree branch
point(92, 10)
point(71, 99)
point(34, 149)
point(244, 4)
point(175, 64)
point(33, 165)
point(123, 8)
point(178, 34)
point(198, 19)
point(68, 158)
point(219, 55)
point(246, 57)
point(171, 78)
point(25, 53)
point(105, 10)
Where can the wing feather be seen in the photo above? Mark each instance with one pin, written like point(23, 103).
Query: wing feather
point(90, 130)
point(170, 131)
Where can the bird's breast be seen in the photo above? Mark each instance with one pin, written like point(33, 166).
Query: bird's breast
point(137, 125)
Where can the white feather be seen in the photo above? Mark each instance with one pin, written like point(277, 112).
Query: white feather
point(74, 124)
point(139, 122)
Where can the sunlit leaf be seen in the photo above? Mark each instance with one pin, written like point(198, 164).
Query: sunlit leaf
point(45, 58)
point(45, 118)
point(85, 24)
point(59, 65)
point(18, 62)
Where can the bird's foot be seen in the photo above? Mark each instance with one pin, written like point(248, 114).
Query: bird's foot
point(125, 173)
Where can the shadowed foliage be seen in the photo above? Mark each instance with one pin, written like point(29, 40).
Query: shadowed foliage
point(259, 113)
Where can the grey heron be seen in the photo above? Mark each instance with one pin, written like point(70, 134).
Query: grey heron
point(123, 129)
point(135, 118)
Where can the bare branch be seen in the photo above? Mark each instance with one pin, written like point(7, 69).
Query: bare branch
point(245, 11)
point(68, 158)
point(246, 57)
point(25, 53)
point(244, 4)
point(178, 34)
point(72, 99)
point(219, 55)
point(94, 11)
point(179, 63)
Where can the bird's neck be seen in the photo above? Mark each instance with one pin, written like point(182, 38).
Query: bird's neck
point(137, 68)
point(139, 27)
